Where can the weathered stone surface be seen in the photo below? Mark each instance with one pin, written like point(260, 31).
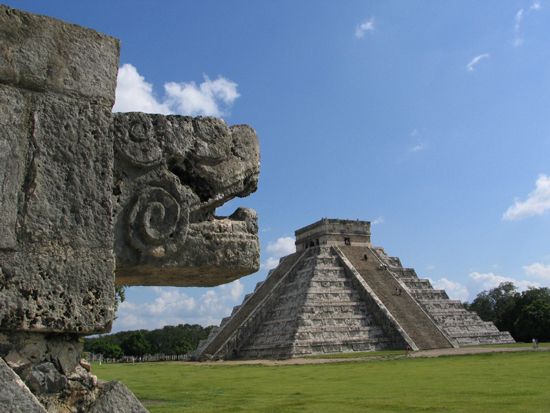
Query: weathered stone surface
point(55, 171)
point(27, 348)
point(40, 53)
point(56, 164)
point(66, 354)
point(115, 397)
point(13, 149)
point(85, 364)
point(49, 364)
point(57, 290)
point(66, 196)
point(15, 396)
point(16, 361)
point(44, 378)
point(171, 172)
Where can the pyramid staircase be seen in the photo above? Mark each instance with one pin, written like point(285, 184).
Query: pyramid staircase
point(339, 294)
point(409, 314)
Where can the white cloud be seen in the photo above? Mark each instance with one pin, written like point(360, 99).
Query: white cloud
point(279, 248)
point(519, 18)
point(491, 280)
point(134, 94)
point(470, 67)
point(270, 263)
point(535, 5)
point(366, 26)
point(454, 290)
point(172, 306)
point(537, 202)
point(418, 147)
point(539, 270)
point(378, 220)
point(211, 97)
point(204, 99)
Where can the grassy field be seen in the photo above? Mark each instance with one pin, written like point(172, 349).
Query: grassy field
point(497, 382)
point(541, 345)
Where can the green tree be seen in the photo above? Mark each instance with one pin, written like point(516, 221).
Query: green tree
point(533, 320)
point(169, 340)
point(525, 315)
point(136, 345)
point(498, 305)
point(106, 348)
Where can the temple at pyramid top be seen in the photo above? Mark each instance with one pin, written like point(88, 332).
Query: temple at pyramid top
point(333, 232)
point(339, 293)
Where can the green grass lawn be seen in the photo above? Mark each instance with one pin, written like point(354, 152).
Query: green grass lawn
point(497, 382)
point(512, 345)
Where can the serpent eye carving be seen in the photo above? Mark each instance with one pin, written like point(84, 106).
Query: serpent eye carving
point(157, 222)
point(136, 141)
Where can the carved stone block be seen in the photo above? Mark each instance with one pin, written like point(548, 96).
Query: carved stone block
point(13, 152)
point(67, 189)
point(44, 54)
point(57, 290)
point(115, 397)
point(57, 85)
point(15, 396)
point(171, 172)
point(56, 212)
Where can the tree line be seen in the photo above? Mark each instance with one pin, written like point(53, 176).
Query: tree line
point(526, 315)
point(169, 340)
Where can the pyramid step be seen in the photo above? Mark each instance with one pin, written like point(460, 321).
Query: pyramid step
point(316, 320)
point(427, 294)
point(460, 318)
point(395, 262)
point(258, 285)
point(417, 283)
point(468, 330)
point(328, 269)
point(438, 305)
point(330, 283)
point(324, 306)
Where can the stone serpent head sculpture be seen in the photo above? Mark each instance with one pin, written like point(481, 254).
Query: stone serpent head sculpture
point(171, 173)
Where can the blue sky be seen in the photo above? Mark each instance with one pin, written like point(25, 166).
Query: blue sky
point(429, 118)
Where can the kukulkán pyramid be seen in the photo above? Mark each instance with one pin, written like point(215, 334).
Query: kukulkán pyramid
point(338, 293)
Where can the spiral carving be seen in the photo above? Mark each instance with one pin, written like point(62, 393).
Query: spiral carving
point(136, 140)
point(157, 222)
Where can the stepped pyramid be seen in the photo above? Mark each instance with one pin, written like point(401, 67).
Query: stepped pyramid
point(338, 293)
